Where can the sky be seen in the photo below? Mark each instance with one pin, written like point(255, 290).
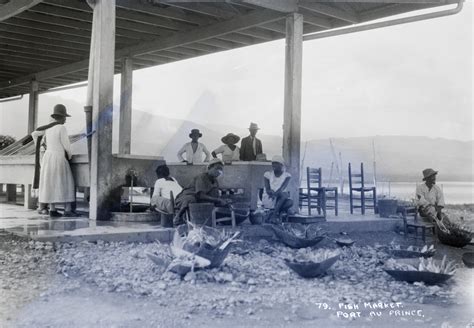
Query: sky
point(413, 80)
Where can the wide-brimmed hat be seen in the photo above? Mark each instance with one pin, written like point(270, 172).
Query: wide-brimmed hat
point(278, 159)
point(230, 138)
point(215, 161)
point(60, 111)
point(253, 126)
point(195, 132)
point(428, 172)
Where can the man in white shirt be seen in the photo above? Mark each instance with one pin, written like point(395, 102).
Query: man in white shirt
point(194, 150)
point(430, 199)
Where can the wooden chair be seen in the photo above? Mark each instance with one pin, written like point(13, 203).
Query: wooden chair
point(357, 186)
point(319, 197)
point(412, 211)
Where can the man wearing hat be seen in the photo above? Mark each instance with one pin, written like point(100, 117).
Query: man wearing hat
point(230, 152)
point(203, 188)
point(276, 196)
point(430, 199)
point(194, 149)
point(251, 146)
point(56, 183)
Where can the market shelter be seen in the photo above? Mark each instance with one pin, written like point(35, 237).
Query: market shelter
point(52, 43)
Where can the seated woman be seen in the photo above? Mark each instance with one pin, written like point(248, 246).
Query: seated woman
point(230, 152)
point(203, 188)
point(275, 195)
point(164, 186)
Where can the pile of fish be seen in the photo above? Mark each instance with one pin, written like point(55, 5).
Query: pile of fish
point(412, 251)
point(424, 265)
point(197, 249)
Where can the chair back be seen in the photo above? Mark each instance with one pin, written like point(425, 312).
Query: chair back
point(356, 180)
point(314, 177)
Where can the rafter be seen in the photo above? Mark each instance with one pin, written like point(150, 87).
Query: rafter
point(202, 34)
point(13, 8)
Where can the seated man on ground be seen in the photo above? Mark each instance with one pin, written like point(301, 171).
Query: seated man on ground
point(430, 199)
point(164, 187)
point(275, 195)
point(204, 188)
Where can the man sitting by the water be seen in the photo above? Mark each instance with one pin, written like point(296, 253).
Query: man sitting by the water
point(430, 199)
point(203, 188)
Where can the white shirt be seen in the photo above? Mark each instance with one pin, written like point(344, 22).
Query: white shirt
point(163, 188)
point(276, 182)
point(425, 196)
point(194, 157)
point(228, 155)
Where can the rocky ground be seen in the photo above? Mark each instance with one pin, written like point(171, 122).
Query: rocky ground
point(115, 284)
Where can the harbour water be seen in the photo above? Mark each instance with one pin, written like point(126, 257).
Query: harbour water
point(455, 192)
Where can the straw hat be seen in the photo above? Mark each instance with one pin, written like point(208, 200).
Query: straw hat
point(428, 172)
point(60, 111)
point(253, 126)
point(195, 132)
point(230, 138)
point(214, 161)
point(278, 159)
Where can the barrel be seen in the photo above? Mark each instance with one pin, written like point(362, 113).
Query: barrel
point(387, 207)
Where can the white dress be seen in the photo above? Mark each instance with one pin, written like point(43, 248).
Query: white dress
point(56, 184)
point(228, 155)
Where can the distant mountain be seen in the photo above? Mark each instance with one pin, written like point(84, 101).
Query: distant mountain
point(398, 158)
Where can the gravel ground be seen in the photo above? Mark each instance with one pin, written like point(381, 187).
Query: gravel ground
point(115, 284)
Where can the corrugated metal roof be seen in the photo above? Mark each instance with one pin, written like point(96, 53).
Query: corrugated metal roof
point(49, 42)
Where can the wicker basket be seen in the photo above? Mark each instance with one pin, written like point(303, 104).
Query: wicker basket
point(294, 241)
point(311, 269)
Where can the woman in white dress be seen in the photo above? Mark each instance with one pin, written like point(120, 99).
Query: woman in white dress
point(56, 183)
point(229, 151)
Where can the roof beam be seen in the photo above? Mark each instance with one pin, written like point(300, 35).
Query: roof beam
point(170, 13)
point(334, 12)
point(284, 6)
point(309, 18)
point(13, 8)
point(202, 34)
point(27, 42)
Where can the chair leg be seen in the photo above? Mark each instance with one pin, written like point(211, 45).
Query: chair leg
point(214, 219)
point(351, 202)
point(423, 234)
point(374, 197)
point(232, 216)
point(336, 202)
point(362, 202)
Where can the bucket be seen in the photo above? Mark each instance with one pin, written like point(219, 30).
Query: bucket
point(201, 213)
point(166, 220)
point(387, 207)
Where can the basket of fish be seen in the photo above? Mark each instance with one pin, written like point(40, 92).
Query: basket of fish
point(296, 235)
point(313, 265)
point(429, 271)
point(412, 251)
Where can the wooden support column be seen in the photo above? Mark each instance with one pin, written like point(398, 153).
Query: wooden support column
point(30, 202)
point(292, 110)
point(103, 82)
point(33, 107)
point(11, 193)
point(125, 128)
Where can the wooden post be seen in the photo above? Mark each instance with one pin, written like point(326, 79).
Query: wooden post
point(11, 193)
point(292, 110)
point(125, 126)
point(103, 82)
point(30, 202)
point(33, 107)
